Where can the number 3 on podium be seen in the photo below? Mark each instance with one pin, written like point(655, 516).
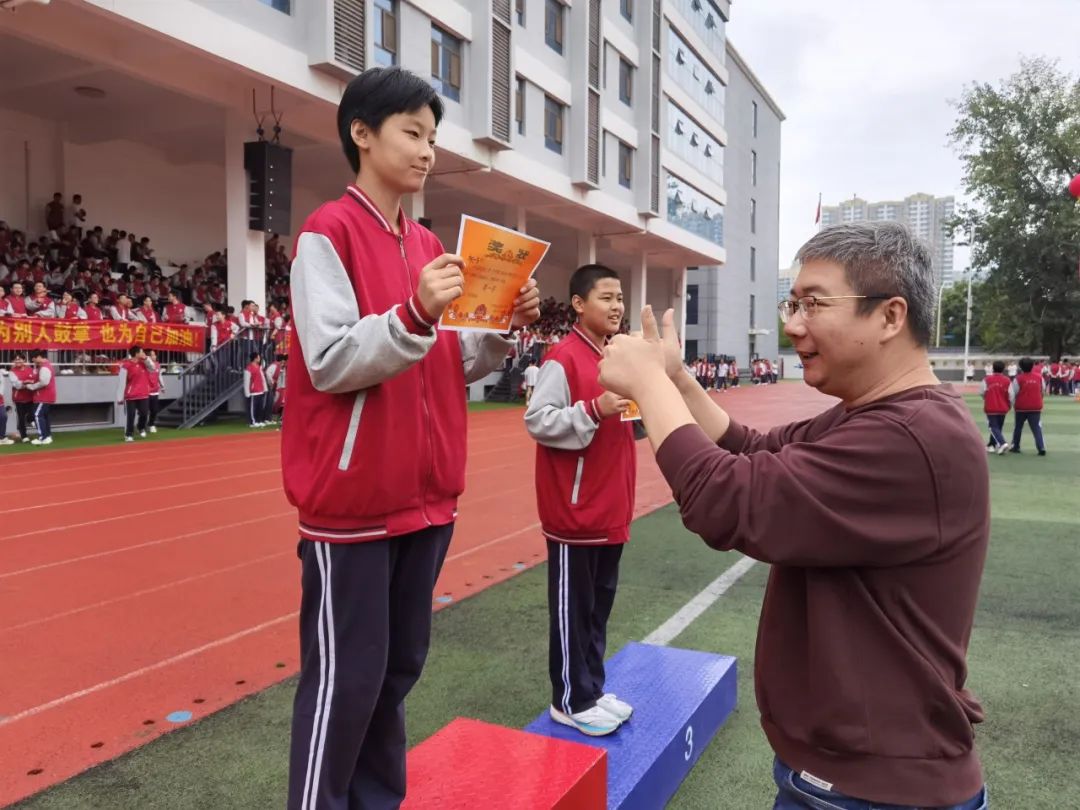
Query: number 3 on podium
point(689, 743)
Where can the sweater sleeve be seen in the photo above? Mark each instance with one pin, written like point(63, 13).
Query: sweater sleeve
point(482, 353)
point(552, 419)
point(856, 497)
point(740, 439)
point(247, 382)
point(343, 351)
point(121, 384)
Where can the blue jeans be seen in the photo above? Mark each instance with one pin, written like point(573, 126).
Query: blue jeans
point(1034, 420)
point(795, 793)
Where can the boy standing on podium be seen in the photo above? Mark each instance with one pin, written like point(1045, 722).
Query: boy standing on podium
point(586, 470)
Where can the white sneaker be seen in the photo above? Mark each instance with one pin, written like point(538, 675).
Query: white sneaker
point(594, 722)
point(142, 434)
point(619, 709)
point(35, 441)
point(990, 448)
point(7, 441)
point(47, 440)
point(27, 439)
point(152, 429)
point(1005, 448)
point(129, 438)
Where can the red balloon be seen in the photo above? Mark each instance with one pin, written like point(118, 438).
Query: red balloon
point(1074, 187)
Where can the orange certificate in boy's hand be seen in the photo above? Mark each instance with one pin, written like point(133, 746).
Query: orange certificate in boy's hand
point(498, 263)
point(631, 413)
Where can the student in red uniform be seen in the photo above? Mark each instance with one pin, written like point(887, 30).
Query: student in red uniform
point(175, 311)
point(4, 409)
point(133, 390)
point(40, 304)
point(153, 376)
point(69, 308)
point(586, 468)
point(44, 388)
point(995, 394)
point(16, 302)
point(255, 390)
point(874, 516)
point(373, 453)
point(1026, 394)
point(275, 384)
point(93, 308)
point(22, 396)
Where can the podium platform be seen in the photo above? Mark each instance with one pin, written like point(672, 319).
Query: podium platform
point(680, 699)
point(470, 765)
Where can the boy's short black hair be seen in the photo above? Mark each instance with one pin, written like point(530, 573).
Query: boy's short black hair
point(999, 366)
point(134, 350)
point(1026, 364)
point(253, 357)
point(36, 353)
point(374, 96)
point(585, 278)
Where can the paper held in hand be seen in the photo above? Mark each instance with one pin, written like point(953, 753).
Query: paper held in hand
point(632, 412)
point(498, 263)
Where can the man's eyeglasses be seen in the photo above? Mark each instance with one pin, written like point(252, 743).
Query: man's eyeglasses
point(807, 306)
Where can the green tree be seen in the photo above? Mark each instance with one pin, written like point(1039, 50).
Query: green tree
point(1020, 145)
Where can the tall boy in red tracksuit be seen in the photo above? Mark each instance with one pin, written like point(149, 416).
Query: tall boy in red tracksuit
point(373, 448)
point(586, 468)
point(995, 394)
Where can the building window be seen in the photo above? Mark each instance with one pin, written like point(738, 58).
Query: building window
point(446, 63)
point(691, 304)
point(519, 8)
point(626, 165)
point(553, 124)
point(280, 5)
point(753, 216)
point(626, 81)
point(626, 9)
point(753, 264)
point(519, 106)
point(754, 116)
point(753, 316)
point(553, 25)
point(385, 33)
point(753, 167)
point(694, 211)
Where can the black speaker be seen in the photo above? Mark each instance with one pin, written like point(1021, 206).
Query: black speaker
point(269, 168)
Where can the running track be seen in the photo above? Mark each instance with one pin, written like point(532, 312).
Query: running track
point(139, 581)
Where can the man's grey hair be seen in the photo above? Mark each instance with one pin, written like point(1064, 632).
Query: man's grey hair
point(881, 258)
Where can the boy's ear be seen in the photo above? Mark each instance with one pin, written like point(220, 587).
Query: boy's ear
point(578, 303)
point(360, 134)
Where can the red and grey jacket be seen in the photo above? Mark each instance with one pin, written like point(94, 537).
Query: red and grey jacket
point(586, 466)
point(153, 377)
point(44, 383)
point(375, 443)
point(21, 377)
point(134, 381)
point(1027, 392)
point(254, 380)
point(995, 391)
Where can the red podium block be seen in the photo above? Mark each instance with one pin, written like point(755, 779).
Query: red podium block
point(470, 765)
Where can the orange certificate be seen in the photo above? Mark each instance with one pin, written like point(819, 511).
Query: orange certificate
point(498, 263)
point(631, 413)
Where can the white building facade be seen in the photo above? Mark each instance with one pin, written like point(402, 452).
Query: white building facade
point(599, 126)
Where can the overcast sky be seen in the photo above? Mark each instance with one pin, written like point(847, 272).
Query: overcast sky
point(866, 84)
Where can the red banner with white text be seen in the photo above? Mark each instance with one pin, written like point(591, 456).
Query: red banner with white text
point(49, 333)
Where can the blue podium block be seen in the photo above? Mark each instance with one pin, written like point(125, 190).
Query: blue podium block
point(680, 700)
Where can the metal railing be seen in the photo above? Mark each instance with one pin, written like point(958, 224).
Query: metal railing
point(209, 382)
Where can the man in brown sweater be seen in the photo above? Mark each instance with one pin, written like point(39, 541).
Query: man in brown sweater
point(874, 515)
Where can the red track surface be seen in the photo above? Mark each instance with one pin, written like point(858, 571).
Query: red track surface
point(130, 590)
